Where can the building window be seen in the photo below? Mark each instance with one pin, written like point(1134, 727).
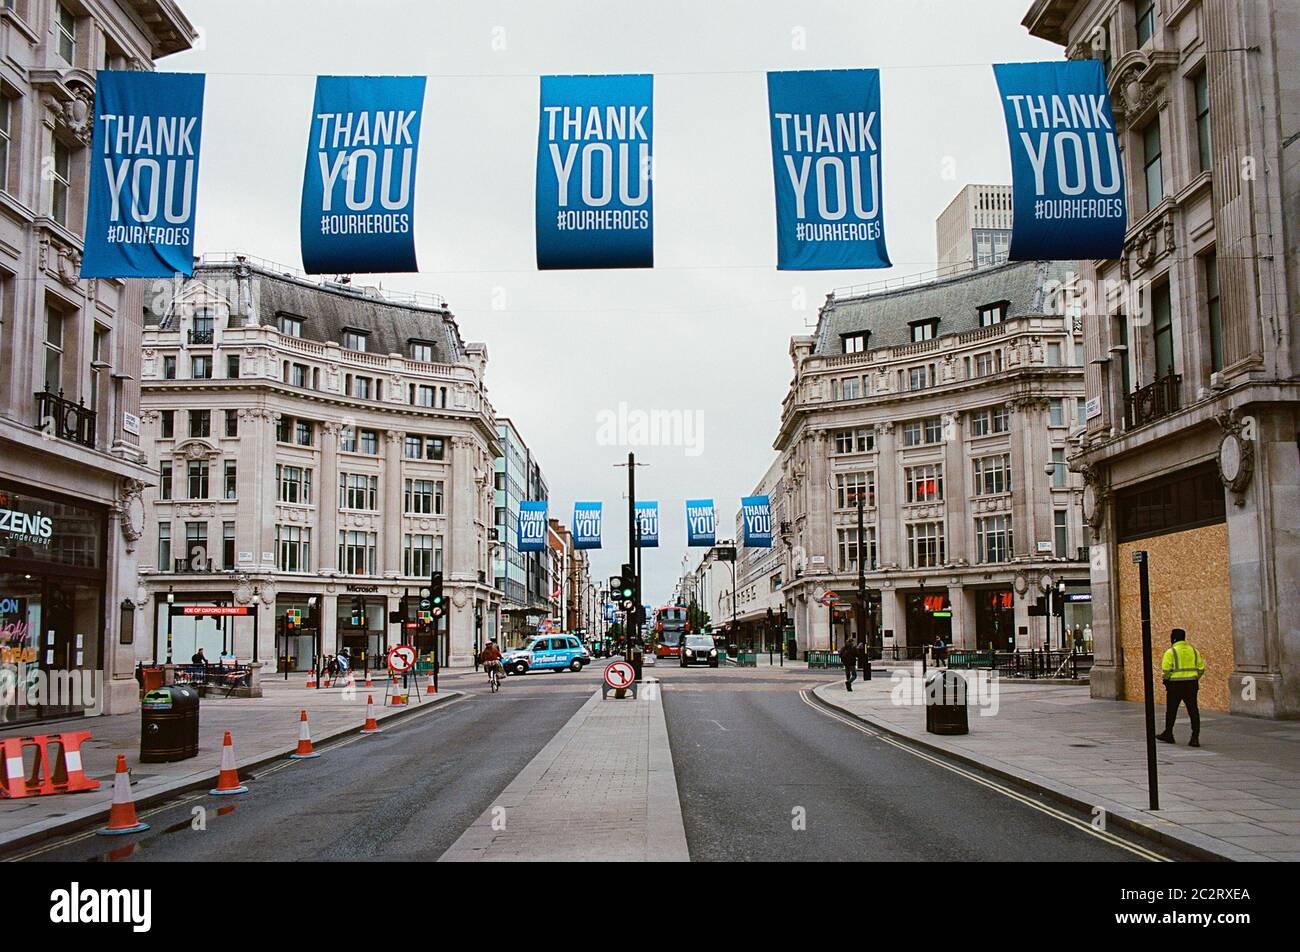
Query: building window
point(848, 486)
point(200, 368)
point(232, 366)
point(66, 32)
point(302, 432)
point(918, 378)
point(422, 351)
point(167, 424)
point(924, 483)
point(919, 432)
point(232, 423)
point(1059, 472)
point(924, 330)
point(196, 545)
point(853, 343)
point(1151, 164)
point(197, 479)
point(1062, 533)
point(60, 183)
point(851, 388)
point(164, 547)
point(53, 350)
point(424, 447)
point(358, 491)
point(369, 442)
point(1214, 315)
point(354, 340)
point(169, 367)
point(201, 423)
point(293, 548)
point(203, 326)
point(418, 497)
point(925, 544)
point(228, 546)
point(293, 484)
point(165, 479)
point(1183, 500)
point(1120, 337)
point(992, 475)
point(1056, 411)
point(6, 112)
point(231, 475)
point(990, 314)
point(1162, 330)
point(1201, 97)
point(356, 552)
point(986, 364)
point(290, 326)
point(1054, 354)
point(847, 547)
point(1146, 21)
point(859, 440)
point(417, 555)
point(993, 542)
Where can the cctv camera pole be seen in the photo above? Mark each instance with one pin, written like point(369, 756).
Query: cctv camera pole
point(1144, 586)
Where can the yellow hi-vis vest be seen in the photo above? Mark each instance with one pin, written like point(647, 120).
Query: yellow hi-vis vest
point(1182, 662)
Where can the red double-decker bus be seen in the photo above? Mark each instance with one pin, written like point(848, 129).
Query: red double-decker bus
point(670, 627)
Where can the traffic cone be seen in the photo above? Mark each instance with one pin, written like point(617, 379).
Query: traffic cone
point(372, 725)
point(370, 683)
point(311, 679)
point(228, 781)
point(304, 751)
point(122, 818)
point(429, 688)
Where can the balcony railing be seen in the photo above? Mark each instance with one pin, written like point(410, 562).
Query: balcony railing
point(200, 337)
point(1150, 403)
point(65, 419)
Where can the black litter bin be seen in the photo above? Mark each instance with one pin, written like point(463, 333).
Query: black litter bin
point(945, 703)
point(792, 650)
point(169, 724)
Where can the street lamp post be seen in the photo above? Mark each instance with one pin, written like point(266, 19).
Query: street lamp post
point(171, 599)
point(868, 635)
point(256, 602)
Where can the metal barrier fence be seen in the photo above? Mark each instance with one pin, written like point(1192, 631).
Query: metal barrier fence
point(223, 677)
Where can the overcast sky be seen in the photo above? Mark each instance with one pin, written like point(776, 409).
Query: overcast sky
point(707, 331)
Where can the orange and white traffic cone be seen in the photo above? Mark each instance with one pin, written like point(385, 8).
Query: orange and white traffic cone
point(311, 679)
point(372, 725)
point(430, 688)
point(228, 781)
point(370, 683)
point(304, 751)
point(122, 818)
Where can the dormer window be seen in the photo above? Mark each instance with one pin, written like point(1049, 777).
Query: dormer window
point(927, 329)
point(354, 340)
point(854, 343)
point(421, 350)
point(994, 313)
point(290, 326)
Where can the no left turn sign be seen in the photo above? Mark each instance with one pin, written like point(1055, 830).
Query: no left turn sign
point(619, 674)
point(401, 658)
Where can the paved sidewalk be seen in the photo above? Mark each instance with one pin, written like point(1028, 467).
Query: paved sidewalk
point(262, 728)
point(1237, 797)
point(602, 788)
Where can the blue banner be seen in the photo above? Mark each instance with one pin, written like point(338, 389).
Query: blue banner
point(701, 522)
point(647, 515)
point(358, 191)
point(1067, 178)
point(532, 526)
point(757, 514)
point(594, 146)
point(825, 127)
point(586, 525)
point(144, 175)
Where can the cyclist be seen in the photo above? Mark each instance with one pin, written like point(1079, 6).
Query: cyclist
point(491, 658)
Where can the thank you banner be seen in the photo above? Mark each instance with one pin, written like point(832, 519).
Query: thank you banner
point(701, 522)
point(647, 517)
point(825, 127)
point(532, 526)
point(586, 525)
point(144, 175)
point(358, 190)
point(594, 148)
point(757, 514)
point(1066, 174)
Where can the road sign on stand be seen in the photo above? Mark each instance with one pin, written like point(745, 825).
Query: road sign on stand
point(401, 658)
point(619, 677)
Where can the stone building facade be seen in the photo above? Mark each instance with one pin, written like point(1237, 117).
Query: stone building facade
point(320, 450)
point(70, 449)
point(950, 407)
point(1191, 340)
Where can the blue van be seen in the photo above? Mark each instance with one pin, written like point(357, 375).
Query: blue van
point(547, 653)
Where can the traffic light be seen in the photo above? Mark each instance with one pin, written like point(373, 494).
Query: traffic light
point(290, 622)
point(358, 612)
point(437, 601)
point(626, 591)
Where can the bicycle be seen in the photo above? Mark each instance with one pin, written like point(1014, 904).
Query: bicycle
point(494, 676)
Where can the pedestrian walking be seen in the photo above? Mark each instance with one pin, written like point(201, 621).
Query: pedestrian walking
point(1182, 666)
point(849, 658)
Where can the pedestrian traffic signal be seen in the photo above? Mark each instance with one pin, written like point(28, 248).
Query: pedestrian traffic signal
point(437, 601)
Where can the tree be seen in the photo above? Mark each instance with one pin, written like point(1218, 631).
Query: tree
point(696, 617)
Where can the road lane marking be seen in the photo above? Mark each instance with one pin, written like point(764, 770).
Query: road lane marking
point(976, 778)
